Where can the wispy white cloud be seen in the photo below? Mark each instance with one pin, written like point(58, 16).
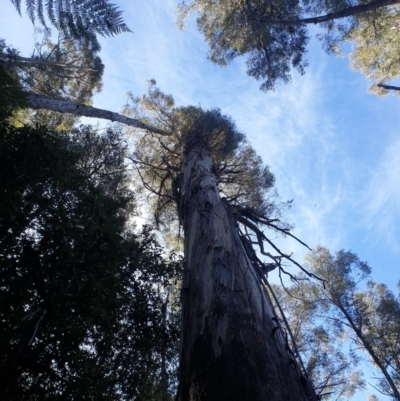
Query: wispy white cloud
point(16, 30)
point(382, 197)
point(289, 128)
point(318, 134)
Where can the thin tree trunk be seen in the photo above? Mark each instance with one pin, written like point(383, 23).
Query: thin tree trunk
point(164, 374)
point(229, 348)
point(12, 58)
point(346, 12)
point(372, 353)
point(37, 101)
point(389, 87)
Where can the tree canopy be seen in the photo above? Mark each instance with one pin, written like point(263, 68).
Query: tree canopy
point(90, 307)
point(274, 36)
point(368, 317)
point(318, 344)
point(81, 315)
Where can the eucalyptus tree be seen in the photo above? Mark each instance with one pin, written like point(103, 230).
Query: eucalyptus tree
point(376, 47)
point(380, 311)
point(330, 365)
point(80, 314)
point(371, 317)
point(232, 345)
point(274, 35)
point(201, 173)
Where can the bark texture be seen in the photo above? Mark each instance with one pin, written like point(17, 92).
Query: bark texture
point(229, 347)
point(37, 101)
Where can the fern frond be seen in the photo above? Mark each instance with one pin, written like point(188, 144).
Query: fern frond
point(17, 4)
point(77, 17)
point(30, 9)
point(39, 12)
point(50, 11)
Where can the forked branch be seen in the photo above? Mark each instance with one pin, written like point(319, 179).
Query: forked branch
point(260, 242)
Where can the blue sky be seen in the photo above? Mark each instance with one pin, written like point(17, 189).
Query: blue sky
point(334, 148)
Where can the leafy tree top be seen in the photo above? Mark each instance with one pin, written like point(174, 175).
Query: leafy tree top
point(242, 177)
point(274, 36)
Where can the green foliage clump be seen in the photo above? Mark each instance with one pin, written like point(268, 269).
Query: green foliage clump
point(319, 345)
point(376, 46)
point(206, 128)
point(11, 94)
point(369, 318)
point(81, 316)
point(239, 28)
point(274, 35)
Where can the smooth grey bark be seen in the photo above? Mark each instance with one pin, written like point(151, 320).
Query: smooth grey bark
point(229, 348)
point(37, 101)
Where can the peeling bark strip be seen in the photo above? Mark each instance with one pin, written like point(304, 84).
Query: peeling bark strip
point(66, 106)
point(229, 348)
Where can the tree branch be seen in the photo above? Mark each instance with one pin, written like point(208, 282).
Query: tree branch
point(346, 12)
point(389, 87)
point(37, 101)
point(12, 58)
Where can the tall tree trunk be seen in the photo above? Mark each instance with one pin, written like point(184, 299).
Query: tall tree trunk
point(164, 374)
point(229, 348)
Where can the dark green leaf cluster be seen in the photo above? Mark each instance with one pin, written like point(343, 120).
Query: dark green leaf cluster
point(245, 180)
point(77, 18)
point(195, 127)
point(236, 28)
point(81, 317)
point(273, 34)
point(11, 96)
